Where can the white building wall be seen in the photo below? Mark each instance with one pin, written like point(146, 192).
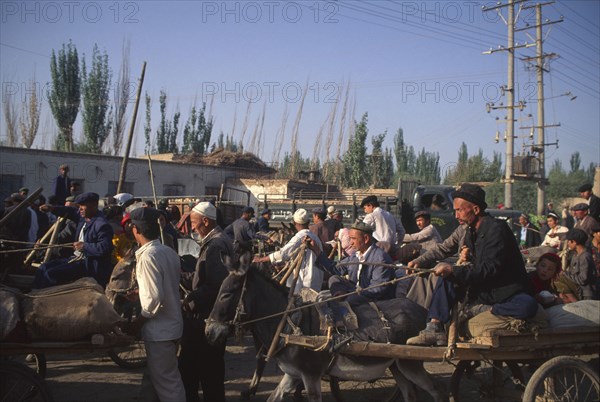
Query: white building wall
point(38, 168)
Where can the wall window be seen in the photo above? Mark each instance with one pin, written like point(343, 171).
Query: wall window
point(10, 183)
point(173, 189)
point(127, 187)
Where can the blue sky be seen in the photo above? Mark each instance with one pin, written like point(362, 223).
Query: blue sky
point(412, 65)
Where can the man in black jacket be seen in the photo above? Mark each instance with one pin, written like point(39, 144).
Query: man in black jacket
point(585, 191)
point(200, 362)
point(495, 276)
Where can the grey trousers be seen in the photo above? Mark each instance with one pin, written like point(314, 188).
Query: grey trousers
point(162, 381)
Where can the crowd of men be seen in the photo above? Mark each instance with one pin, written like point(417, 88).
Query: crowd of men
point(489, 275)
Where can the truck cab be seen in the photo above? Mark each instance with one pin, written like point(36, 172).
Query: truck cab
point(437, 200)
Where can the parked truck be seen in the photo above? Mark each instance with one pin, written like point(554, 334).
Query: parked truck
point(403, 203)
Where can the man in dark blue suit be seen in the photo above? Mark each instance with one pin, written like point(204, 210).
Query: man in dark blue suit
point(92, 247)
point(363, 270)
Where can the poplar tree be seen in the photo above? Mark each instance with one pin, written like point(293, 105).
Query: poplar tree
point(354, 160)
point(197, 132)
point(96, 113)
point(166, 135)
point(64, 96)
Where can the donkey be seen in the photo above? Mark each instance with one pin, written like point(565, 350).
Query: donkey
point(247, 292)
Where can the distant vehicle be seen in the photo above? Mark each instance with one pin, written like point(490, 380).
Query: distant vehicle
point(402, 203)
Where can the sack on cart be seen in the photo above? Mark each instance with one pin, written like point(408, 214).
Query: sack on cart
point(68, 312)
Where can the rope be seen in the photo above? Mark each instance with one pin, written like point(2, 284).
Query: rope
point(61, 292)
point(393, 281)
point(45, 247)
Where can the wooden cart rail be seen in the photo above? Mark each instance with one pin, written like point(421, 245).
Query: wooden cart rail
point(97, 342)
point(500, 345)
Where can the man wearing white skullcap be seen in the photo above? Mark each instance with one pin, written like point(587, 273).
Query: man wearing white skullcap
point(310, 276)
point(199, 362)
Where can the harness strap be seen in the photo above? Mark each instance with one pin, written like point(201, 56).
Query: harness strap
point(386, 323)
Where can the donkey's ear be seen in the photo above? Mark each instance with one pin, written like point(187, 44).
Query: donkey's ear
point(239, 264)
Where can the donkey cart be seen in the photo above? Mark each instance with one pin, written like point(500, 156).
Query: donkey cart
point(491, 367)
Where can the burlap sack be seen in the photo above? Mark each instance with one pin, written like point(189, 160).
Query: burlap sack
point(485, 323)
point(9, 311)
point(584, 313)
point(68, 312)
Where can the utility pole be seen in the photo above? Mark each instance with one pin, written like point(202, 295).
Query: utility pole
point(510, 97)
point(540, 147)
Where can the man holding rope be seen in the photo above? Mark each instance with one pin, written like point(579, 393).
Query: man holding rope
point(362, 269)
point(495, 277)
point(93, 246)
point(309, 275)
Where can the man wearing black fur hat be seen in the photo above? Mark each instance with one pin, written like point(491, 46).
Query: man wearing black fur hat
point(495, 275)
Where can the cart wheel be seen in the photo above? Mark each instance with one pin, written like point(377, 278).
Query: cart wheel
point(382, 389)
point(20, 383)
point(480, 380)
point(563, 378)
point(130, 357)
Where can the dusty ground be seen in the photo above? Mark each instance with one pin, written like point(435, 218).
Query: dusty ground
point(96, 378)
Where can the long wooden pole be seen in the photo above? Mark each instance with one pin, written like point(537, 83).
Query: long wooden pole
point(55, 232)
point(162, 235)
point(281, 325)
point(131, 129)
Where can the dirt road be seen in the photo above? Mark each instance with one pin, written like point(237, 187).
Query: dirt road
point(96, 378)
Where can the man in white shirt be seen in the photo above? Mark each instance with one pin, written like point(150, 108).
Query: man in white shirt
point(310, 276)
point(161, 322)
point(385, 226)
point(556, 234)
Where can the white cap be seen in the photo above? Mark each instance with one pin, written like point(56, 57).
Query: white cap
point(301, 216)
point(206, 209)
point(330, 209)
point(122, 198)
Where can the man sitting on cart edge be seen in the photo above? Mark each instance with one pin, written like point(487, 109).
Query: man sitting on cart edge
point(495, 278)
point(93, 245)
point(361, 268)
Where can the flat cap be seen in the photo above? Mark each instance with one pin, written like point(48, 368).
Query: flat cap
point(585, 187)
point(371, 199)
point(23, 190)
point(265, 211)
point(582, 206)
point(70, 198)
point(363, 227)
point(87, 198)
point(330, 209)
point(472, 193)
point(206, 209)
point(144, 215)
point(577, 235)
point(300, 216)
point(423, 214)
point(248, 210)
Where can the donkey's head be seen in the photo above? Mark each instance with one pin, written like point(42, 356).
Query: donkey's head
point(228, 304)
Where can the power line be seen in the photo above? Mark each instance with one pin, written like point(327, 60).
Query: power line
point(594, 24)
point(23, 50)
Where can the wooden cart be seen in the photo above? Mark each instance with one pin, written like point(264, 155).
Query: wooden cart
point(18, 382)
point(492, 367)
